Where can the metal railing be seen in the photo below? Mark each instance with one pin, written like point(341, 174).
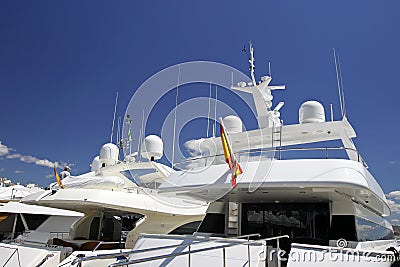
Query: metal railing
point(274, 153)
point(109, 243)
point(198, 240)
point(189, 252)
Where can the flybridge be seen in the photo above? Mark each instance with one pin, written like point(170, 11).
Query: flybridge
point(312, 127)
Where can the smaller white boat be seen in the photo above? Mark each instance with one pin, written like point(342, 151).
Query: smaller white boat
point(16, 192)
point(24, 228)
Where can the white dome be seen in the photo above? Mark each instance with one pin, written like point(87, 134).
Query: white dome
point(152, 147)
point(233, 124)
point(108, 155)
point(311, 112)
point(95, 166)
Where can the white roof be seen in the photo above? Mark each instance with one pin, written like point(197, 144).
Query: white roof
point(17, 207)
point(17, 191)
point(288, 135)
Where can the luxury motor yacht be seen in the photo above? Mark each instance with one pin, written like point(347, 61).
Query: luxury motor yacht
point(296, 201)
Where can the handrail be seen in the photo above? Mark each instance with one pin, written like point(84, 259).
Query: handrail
point(105, 243)
point(199, 241)
point(280, 150)
point(164, 256)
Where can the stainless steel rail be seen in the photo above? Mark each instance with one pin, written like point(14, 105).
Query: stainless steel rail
point(107, 243)
point(200, 240)
point(190, 252)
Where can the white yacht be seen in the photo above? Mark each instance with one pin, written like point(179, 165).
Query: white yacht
point(25, 231)
point(117, 204)
point(299, 202)
point(16, 192)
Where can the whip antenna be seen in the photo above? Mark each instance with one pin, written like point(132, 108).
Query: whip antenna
point(113, 122)
point(338, 82)
point(208, 115)
point(176, 108)
point(342, 87)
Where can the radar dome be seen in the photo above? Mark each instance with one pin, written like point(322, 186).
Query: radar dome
point(95, 166)
point(311, 112)
point(233, 124)
point(108, 155)
point(152, 147)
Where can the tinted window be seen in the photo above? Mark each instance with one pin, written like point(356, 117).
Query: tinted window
point(213, 223)
point(343, 226)
point(186, 229)
point(306, 222)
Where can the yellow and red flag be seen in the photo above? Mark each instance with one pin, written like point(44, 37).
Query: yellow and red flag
point(225, 146)
point(58, 179)
point(229, 156)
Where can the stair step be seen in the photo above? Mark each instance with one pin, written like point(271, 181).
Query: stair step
point(233, 219)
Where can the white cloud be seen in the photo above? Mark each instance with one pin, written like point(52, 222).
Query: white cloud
point(4, 150)
point(394, 194)
point(198, 147)
point(18, 171)
point(2, 169)
point(49, 176)
point(395, 220)
point(35, 160)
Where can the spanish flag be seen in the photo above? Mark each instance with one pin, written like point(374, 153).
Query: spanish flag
point(58, 178)
point(225, 146)
point(229, 156)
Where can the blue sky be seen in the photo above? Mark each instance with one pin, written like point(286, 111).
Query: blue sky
point(61, 63)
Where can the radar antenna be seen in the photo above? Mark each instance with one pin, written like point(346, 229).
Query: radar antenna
point(262, 94)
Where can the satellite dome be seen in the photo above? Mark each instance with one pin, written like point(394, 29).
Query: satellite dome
point(233, 124)
point(95, 166)
point(152, 147)
point(108, 155)
point(311, 112)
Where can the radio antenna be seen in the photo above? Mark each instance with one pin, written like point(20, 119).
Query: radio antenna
point(269, 69)
point(176, 108)
point(208, 115)
point(338, 82)
point(215, 110)
point(342, 87)
point(113, 122)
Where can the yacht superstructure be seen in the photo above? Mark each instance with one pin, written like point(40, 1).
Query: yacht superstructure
point(306, 204)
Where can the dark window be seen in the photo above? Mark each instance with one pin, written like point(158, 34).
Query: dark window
point(354, 228)
point(35, 220)
point(94, 228)
point(303, 222)
point(343, 226)
point(213, 224)
point(186, 229)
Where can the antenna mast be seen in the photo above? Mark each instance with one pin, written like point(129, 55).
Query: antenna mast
point(208, 115)
point(338, 82)
point(252, 66)
point(342, 87)
point(176, 107)
point(113, 122)
point(215, 110)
